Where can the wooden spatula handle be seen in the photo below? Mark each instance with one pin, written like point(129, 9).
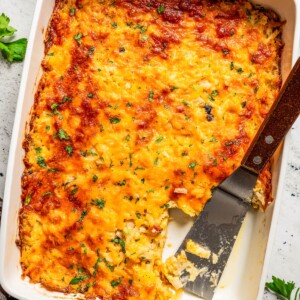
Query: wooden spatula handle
point(280, 119)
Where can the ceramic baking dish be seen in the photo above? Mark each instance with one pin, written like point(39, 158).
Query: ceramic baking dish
point(245, 272)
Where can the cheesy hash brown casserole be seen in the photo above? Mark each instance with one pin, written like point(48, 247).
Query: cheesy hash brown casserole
point(143, 105)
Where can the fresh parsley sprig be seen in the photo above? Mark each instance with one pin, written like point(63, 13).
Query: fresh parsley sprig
point(11, 51)
point(283, 290)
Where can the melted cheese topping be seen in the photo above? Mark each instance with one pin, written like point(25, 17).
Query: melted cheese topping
point(142, 105)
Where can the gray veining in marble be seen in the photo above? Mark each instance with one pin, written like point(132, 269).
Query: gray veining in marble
point(285, 259)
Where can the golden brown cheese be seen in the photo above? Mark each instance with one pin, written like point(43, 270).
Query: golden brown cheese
point(142, 105)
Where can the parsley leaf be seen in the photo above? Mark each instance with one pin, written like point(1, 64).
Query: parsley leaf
point(280, 287)
point(5, 29)
point(13, 51)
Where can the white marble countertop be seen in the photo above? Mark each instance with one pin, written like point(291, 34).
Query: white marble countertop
point(285, 259)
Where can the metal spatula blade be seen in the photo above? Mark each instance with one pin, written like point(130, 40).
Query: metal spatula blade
point(216, 228)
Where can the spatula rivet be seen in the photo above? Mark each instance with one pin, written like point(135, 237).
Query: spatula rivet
point(257, 160)
point(269, 139)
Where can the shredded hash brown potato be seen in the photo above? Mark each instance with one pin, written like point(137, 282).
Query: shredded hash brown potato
point(143, 105)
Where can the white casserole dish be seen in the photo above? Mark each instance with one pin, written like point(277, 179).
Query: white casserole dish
point(245, 272)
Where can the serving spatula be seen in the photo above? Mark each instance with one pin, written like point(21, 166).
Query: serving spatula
point(218, 224)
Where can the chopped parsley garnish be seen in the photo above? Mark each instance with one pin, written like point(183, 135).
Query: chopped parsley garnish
point(69, 150)
point(100, 203)
point(74, 191)
point(95, 178)
point(111, 268)
point(78, 279)
point(90, 95)
point(28, 199)
point(48, 127)
point(115, 283)
point(167, 205)
point(53, 108)
point(120, 242)
point(240, 70)
point(212, 140)
point(212, 95)
point(215, 93)
point(114, 25)
point(142, 28)
point(50, 54)
point(130, 281)
point(121, 49)
point(173, 88)
point(38, 150)
point(65, 99)
point(46, 194)
point(99, 260)
point(41, 162)
point(83, 214)
point(160, 9)
point(155, 162)
point(121, 183)
point(243, 104)
point(62, 135)
point(231, 65)
point(92, 50)
point(215, 162)
point(101, 127)
point(138, 215)
point(255, 89)
point(151, 94)
point(91, 152)
point(192, 165)
point(77, 37)
point(72, 11)
point(114, 120)
point(225, 51)
point(159, 139)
